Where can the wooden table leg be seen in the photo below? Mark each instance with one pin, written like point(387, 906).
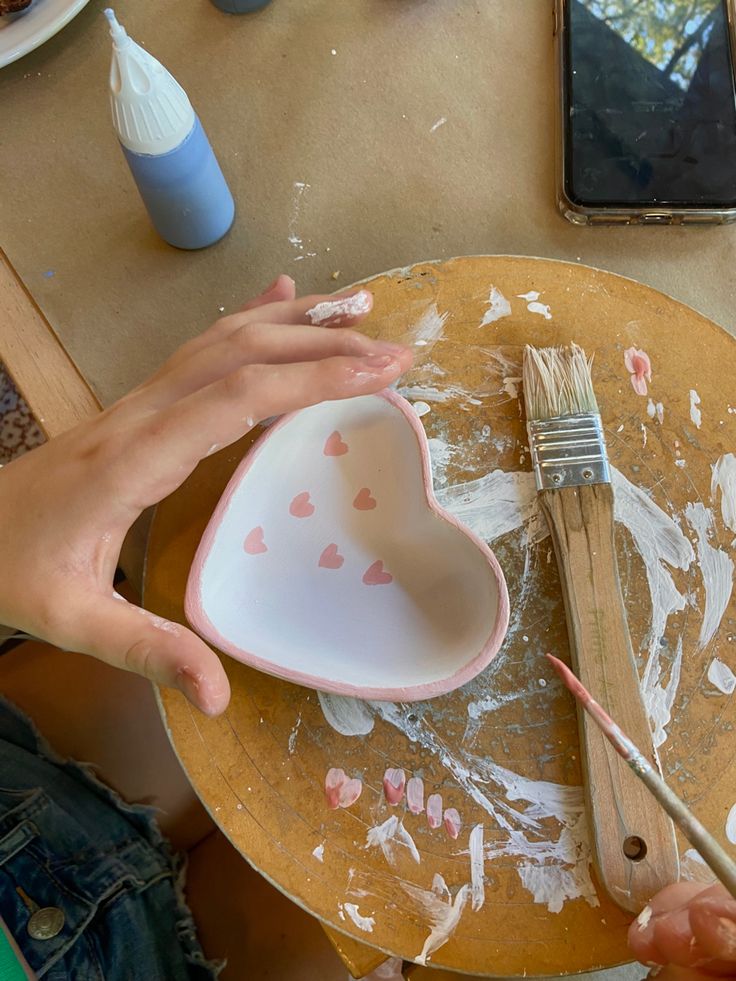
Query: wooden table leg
point(360, 959)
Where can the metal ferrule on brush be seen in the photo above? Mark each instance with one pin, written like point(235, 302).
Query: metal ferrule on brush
point(569, 451)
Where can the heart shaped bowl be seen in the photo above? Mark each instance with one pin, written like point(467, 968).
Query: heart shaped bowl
point(328, 561)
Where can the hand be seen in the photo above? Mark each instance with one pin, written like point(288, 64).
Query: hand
point(66, 507)
point(692, 930)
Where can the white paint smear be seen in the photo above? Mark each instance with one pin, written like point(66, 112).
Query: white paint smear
point(731, 825)
point(440, 122)
point(421, 408)
point(429, 328)
point(319, 852)
point(717, 570)
point(721, 677)
point(348, 716)
point(724, 479)
point(443, 915)
point(498, 307)
point(337, 311)
point(365, 923)
point(477, 861)
point(496, 504)
point(389, 836)
point(695, 414)
point(694, 868)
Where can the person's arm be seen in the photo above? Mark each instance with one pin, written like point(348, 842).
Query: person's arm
point(65, 507)
point(687, 932)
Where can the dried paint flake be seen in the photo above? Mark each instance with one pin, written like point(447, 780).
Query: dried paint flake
point(639, 367)
point(341, 790)
point(319, 852)
point(415, 795)
point(655, 410)
point(498, 308)
point(434, 810)
point(440, 122)
point(365, 923)
point(721, 677)
point(696, 415)
point(453, 823)
point(534, 306)
point(731, 825)
point(394, 781)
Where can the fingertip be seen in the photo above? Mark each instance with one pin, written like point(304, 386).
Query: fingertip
point(208, 690)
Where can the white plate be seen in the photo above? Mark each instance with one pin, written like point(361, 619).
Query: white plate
point(22, 32)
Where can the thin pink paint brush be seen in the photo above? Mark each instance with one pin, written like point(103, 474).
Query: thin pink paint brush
point(717, 858)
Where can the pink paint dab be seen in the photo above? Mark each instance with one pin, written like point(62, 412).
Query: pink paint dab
point(364, 500)
point(341, 790)
point(453, 824)
point(394, 782)
point(375, 575)
point(301, 506)
point(434, 810)
point(331, 558)
point(335, 446)
point(639, 367)
point(254, 544)
point(415, 795)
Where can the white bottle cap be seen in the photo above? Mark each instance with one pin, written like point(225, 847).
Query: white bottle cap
point(150, 110)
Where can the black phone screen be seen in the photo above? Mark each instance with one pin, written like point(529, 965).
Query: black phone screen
point(650, 103)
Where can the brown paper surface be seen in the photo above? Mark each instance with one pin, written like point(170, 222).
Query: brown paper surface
point(281, 109)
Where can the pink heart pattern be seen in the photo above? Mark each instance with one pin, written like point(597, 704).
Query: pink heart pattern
point(341, 790)
point(335, 445)
point(331, 558)
point(375, 575)
point(301, 506)
point(254, 544)
point(364, 500)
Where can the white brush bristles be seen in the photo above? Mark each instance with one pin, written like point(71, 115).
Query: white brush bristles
point(557, 382)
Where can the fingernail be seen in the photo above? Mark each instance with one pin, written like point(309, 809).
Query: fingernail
point(378, 362)
point(394, 349)
point(726, 931)
point(655, 971)
point(272, 286)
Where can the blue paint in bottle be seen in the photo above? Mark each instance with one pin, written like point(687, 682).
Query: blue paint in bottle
point(240, 6)
point(167, 150)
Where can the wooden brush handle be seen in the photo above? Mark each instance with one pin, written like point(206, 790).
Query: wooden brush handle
point(620, 808)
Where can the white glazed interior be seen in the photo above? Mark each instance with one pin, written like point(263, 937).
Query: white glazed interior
point(280, 607)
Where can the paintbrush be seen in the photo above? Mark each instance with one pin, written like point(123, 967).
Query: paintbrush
point(634, 847)
point(714, 854)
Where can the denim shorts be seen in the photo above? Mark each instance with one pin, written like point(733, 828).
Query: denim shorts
point(109, 886)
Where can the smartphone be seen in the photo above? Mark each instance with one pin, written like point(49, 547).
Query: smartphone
point(647, 111)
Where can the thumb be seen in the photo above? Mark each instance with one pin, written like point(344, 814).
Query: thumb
point(713, 922)
point(166, 653)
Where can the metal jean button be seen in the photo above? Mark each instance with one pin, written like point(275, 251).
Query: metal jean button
point(46, 923)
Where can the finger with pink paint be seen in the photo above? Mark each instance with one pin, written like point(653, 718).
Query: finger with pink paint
point(689, 930)
point(110, 468)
